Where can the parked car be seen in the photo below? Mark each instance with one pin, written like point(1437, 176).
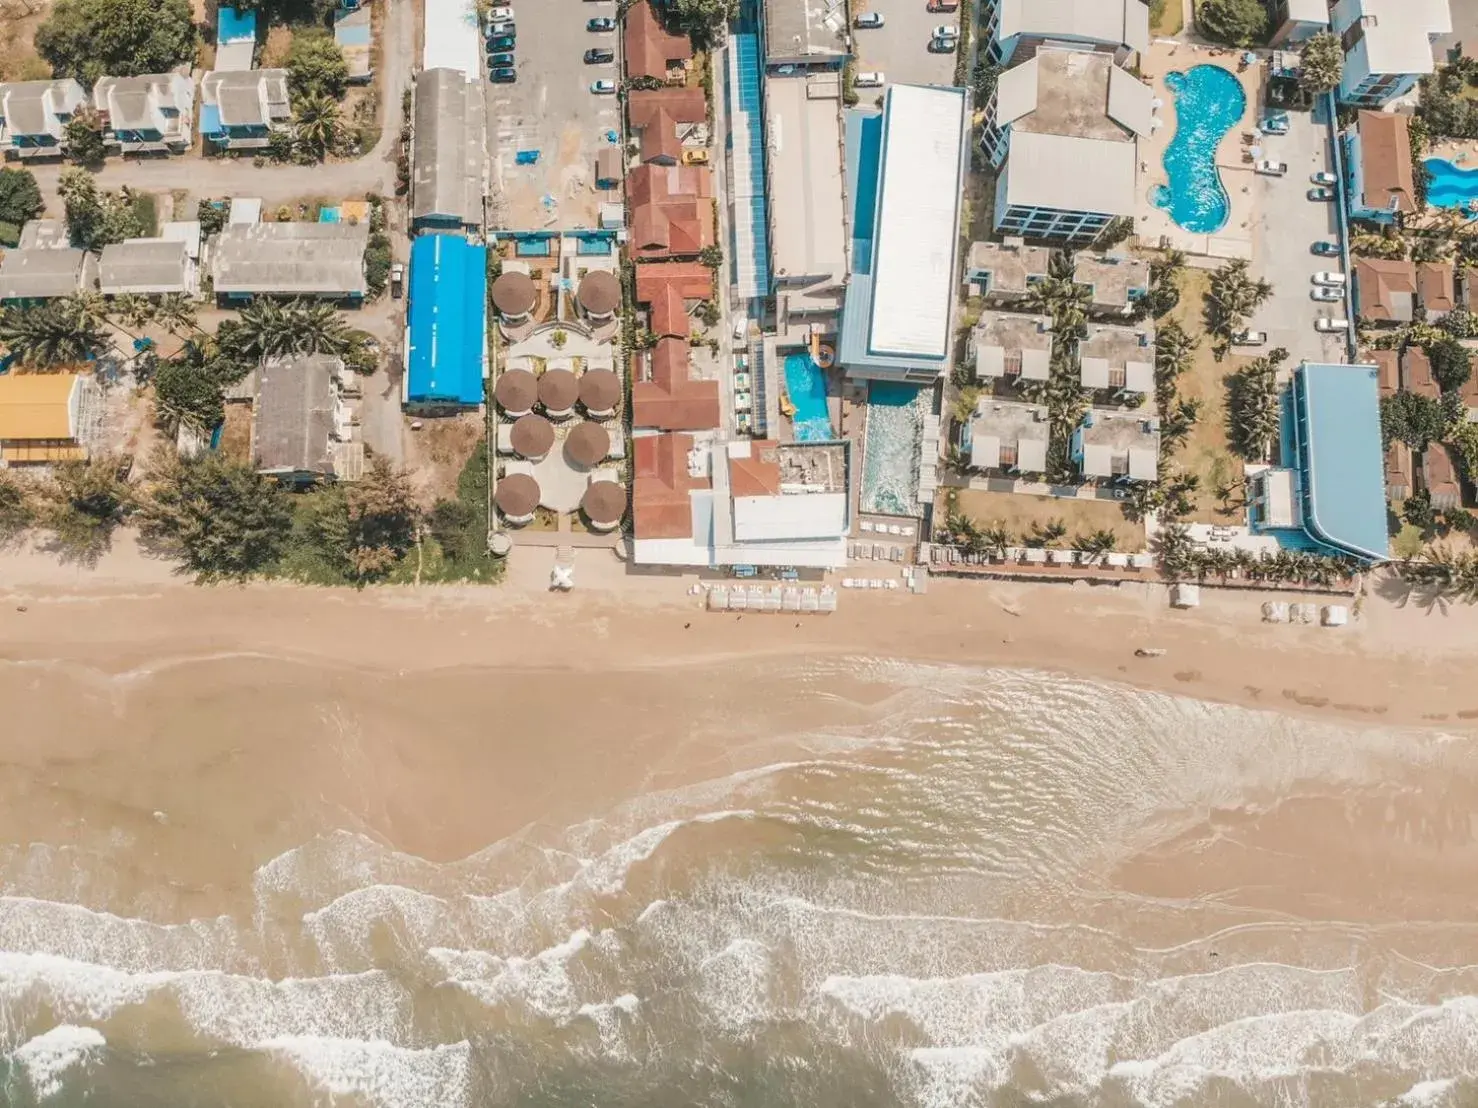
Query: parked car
point(504, 75)
point(1327, 324)
point(1337, 280)
point(1274, 124)
point(698, 155)
point(502, 42)
point(943, 5)
point(1321, 193)
point(397, 279)
point(943, 45)
point(1322, 178)
point(501, 12)
point(1325, 294)
point(600, 23)
point(500, 61)
point(1250, 338)
point(1271, 168)
point(868, 21)
point(947, 30)
point(503, 27)
point(599, 56)
point(1325, 249)
point(603, 88)
point(869, 78)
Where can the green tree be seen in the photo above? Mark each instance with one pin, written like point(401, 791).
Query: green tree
point(377, 260)
point(83, 205)
point(317, 124)
point(712, 256)
point(82, 506)
point(1232, 297)
point(316, 66)
point(175, 313)
point(131, 312)
point(218, 517)
point(187, 396)
point(983, 79)
point(1235, 22)
point(20, 196)
point(212, 216)
point(1321, 63)
point(1452, 365)
point(1097, 542)
point(1418, 511)
point(267, 328)
point(88, 39)
point(57, 333)
point(17, 510)
point(1413, 419)
point(383, 519)
point(1253, 406)
point(702, 20)
point(85, 139)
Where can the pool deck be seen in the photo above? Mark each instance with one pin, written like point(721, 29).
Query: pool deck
point(1154, 224)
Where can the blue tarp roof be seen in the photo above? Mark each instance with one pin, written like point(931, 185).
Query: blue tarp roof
point(235, 26)
point(448, 321)
point(1340, 459)
point(210, 119)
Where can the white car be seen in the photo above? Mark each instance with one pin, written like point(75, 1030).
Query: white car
point(946, 30)
point(868, 21)
point(1335, 279)
point(1271, 168)
point(1325, 294)
point(1322, 178)
point(1250, 338)
point(1326, 324)
point(603, 88)
point(499, 14)
point(868, 79)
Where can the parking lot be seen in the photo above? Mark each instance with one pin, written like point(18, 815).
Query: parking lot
point(1286, 226)
point(550, 109)
point(900, 48)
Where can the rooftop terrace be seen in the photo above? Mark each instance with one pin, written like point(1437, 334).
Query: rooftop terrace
point(1113, 357)
point(1008, 344)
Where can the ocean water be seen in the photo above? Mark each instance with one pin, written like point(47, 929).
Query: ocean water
point(969, 888)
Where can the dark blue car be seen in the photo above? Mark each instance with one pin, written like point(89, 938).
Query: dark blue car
point(499, 61)
point(504, 76)
point(502, 42)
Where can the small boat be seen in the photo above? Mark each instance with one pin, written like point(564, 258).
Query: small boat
point(1149, 652)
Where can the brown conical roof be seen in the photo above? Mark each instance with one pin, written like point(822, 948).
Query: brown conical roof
point(604, 503)
point(599, 292)
point(517, 495)
point(532, 437)
point(558, 389)
point(516, 390)
point(514, 293)
point(587, 444)
point(600, 390)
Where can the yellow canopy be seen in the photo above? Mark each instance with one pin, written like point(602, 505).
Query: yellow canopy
point(36, 406)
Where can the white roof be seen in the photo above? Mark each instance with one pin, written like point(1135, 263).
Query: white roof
point(917, 221)
point(1071, 174)
point(1113, 22)
point(1130, 101)
point(1031, 455)
point(1139, 377)
point(1396, 32)
point(789, 518)
point(245, 209)
point(1036, 365)
point(702, 549)
point(1095, 373)
point(453, 37)
point(1098, 459)
point(990, 361)
point(1016, 92)
point(1308, 11)
point(1278, 498)
point(985, 449)
point(1144, 463)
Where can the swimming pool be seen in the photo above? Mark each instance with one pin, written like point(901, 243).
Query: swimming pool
point(890, 456)
point(805, 382)
point(1449, 185)
point(1208, 103)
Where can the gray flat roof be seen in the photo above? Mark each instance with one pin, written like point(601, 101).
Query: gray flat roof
point(1112, 22)
point(247, 96)
point(42, 272)
point(1119, 445)
point(291, 258)
point(1011, 344)
point(1067, 92)
point(797, 29)
point(1008, 435)
point(294, 420)
point(1010, 265)
point(449, 159)
point(804, 125)
point(1111, 277)
point(144, 266)
point(1070, 174)
point(1119, 346)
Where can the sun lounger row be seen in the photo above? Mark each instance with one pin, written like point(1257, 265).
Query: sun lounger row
point(759, 598)
point(868, 583)
point(1036, 556)
point(876, 551)
point(887, 528)
point(1330, 615)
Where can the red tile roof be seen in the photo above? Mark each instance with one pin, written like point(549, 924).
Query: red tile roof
point(758, 474)
point(1388, 365)
point(1378, 281)
point(671, 213)
point(1386, 172)
point(693, 280)
point(660, 505)
point(667, 398)
point(650, 46)
point(1440, 477)
point(1398, 470)
point(1434, 283)
point(669, 313)
point(684, 105)
point(1416, 373)
point(655, 183)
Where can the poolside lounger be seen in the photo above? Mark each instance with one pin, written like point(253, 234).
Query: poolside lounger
point(878, 552)
point(894, 529)
point(867, 525)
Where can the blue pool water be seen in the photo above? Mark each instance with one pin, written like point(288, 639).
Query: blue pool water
point(890, 456)
point(805, 382)
point(1208, 103)
point(1450, 186)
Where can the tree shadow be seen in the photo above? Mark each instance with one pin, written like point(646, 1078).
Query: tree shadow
point(1397, 590)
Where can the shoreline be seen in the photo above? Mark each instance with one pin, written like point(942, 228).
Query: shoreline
point(140, 614)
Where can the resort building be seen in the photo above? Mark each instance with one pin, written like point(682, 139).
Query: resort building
point(153, 114)
point(664, 394)
point(1011, 345)
point(808, 236)
point(1297, 21)
point(1118, 360)
point(671, 211)
point(451, 37)
point(1387, 45)
point(1385, 290)
point(651, 50)
point(1439, 478)
point(1380, 185)
point(1115, 447)
point(905, 168)
point(448, 160)
point(1004, 272)
point(742, 503)
point(446, 327)
point(322, 260)
point(1005, 436)
point(1435, 289)
point(1398, 470)
point(667, 120)
point(1116, 282)
point(32, 275)
point(1330, 494)
point(240, 109)
point(1063, 130)
point(1416, 373)
point(151, 267)
point(43, 417)
point(1017, 29)
point(34, 117)
point(807, 34)
point(1388, 371)
point(303, 424)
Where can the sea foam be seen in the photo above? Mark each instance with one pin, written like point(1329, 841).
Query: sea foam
point(47, 1057)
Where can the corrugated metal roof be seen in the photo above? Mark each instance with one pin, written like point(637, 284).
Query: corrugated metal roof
point(449, 158)
point(144, 266)
point(324, 259)
point(1070, 174)
point(447, 342)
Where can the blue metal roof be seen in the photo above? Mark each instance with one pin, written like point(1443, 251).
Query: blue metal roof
point(1338, 435)
point(447, 345)
point(235, 26)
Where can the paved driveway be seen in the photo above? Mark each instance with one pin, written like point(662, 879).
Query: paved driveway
point(551, 109)
point(1287, 224)
point(900, 48)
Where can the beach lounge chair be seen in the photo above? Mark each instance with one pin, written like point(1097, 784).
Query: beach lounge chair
point(718, 599)
point(738, 602)
point(828, 600)
point(810, 602)
point(791, 601)
point(891, 584)
point(867, 525)
point(874, 583)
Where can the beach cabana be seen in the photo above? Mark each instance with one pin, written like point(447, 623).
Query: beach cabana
point(600, 392)
point(517, 497)
point(604, 503)
point(558, 391)
point(532, 437)
point(587, 445)
point(516, 391)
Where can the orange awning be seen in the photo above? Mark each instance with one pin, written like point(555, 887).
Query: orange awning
point(39, 453)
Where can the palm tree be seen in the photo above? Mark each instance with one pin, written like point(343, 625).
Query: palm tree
point(132, 312)
point(175, 313)
point(268, 328)
point(57, 333)
point(997, 538)
point(1232, 297)
point(321, 329)
point(317, 124)
point(1049, 533)
point(1096, 542)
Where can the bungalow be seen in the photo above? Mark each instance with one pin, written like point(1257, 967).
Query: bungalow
point(664, 118)
point(1380, 179)
point(1118, 360)
point(651, 50)
point(1116, 447)
point(1116, 282)
point(1398, 470)
point(1439, 478)
point(324, 260)
point(152, 114)
point(240, 109)
point(1434, 287)
point(1387, 45)
point(1008, 344)
point(664, 394)
point(34, 116)
point(1388, 371)
point(301, 420)
point(1416, 373)
point(671, 211)
point(1004, 272)
point(1002, 435)
point(30, 276)
point(41, 415)
point(1385, 290)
